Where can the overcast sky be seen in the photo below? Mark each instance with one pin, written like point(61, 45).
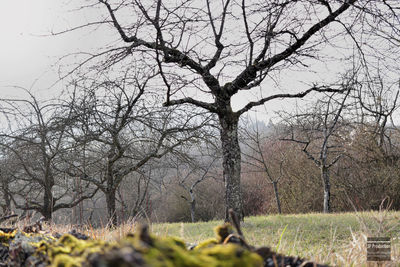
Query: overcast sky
point(23, 55)
point(28, 53)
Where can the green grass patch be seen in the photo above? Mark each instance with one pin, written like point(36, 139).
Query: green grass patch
point(337, 238)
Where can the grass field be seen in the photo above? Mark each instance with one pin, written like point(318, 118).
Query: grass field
point(337, 239)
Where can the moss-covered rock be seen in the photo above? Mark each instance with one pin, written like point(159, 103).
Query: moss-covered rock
point(139, 249)
point(5, 237)
point(144, 249)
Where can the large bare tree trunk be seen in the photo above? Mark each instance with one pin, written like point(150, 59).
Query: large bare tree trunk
point(110, 192)
point(278, 202)
point(111, 207)
point(231, 164)
point(47, 203)
point(327, 189)
point(6, 197)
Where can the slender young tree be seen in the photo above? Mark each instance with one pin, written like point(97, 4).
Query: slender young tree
point(263, 152)
point(190, 174)
point(378, 99)
point(319, 134)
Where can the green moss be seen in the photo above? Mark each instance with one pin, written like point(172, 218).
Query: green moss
point(6, 237)
point(207, 243)
point(223, 231)
point(232, 255)
point(141, 248)
point(69, 251)
point(178, 242)
point(171, 251)
point(64, 260)
point(166, 252)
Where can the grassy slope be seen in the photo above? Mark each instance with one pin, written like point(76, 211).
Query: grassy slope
point(337, 239)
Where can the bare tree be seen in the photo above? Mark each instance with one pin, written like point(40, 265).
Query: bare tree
point(136, 192)
point(378, 98)
point(35, 141)
point(190, 173)
point(123, 131)
point(263, 153)
point(222, 49)
point(318, 131)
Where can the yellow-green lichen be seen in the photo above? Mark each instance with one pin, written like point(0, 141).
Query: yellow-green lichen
point(223, 231)
point(64, 260)
point(69, 251)
point(232, 255)
point(207, 243)
point(146, 250)
point(6, 237)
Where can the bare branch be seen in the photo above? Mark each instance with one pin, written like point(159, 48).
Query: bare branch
point(320, 89)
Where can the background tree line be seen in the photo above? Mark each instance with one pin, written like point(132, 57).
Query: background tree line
point(109, 154)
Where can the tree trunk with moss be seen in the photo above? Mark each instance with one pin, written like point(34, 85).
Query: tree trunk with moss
point(231, 164)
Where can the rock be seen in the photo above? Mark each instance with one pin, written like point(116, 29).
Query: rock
point(124, 256)
point(141, 249)
point(74, 233)
point(22, 246)
point(78, 235)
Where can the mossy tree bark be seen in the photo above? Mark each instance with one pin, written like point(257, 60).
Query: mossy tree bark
point(231, 163)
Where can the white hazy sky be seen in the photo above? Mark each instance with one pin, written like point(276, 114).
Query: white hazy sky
point(24, 56)
point(27, 52)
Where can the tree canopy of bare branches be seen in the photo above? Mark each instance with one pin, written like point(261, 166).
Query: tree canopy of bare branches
point(208, 52)
point(121, 131)
point(35, 143)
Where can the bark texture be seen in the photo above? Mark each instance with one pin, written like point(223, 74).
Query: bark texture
point(111, 207)
point(231, 165)
point(278, 202)
point(47, 203)
point(327, 189)
point(192, 206)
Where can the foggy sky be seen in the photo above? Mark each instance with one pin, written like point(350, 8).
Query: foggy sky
point(29, 52)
